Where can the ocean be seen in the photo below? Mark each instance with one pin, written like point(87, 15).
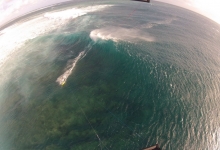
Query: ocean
point(118, 75)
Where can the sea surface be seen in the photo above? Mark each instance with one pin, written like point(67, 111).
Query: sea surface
point(110, 75)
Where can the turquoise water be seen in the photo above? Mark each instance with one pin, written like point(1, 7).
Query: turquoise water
point(126, 77)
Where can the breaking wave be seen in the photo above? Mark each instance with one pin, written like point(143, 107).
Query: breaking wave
point(119, 33)
point(36, 27)
point(74, 12)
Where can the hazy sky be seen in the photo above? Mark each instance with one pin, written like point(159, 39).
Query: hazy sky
point(208, 8)
point(10, 9)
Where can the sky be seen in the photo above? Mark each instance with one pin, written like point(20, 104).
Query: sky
point(11, 9)
point(208, 8)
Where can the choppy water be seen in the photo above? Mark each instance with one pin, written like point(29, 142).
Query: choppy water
point(110, 75)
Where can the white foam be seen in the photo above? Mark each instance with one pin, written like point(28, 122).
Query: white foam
point(62, 79)
point(74, 12)
point(102, 34)
point(118, 33)
point(14, 37)
point(156, 23)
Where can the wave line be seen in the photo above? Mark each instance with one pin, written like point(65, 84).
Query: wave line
point(62, 79)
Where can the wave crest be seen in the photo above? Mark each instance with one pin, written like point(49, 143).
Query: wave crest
point(119, 33)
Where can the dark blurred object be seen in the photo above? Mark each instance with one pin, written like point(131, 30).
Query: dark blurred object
point(155, 147)
point(148, 1)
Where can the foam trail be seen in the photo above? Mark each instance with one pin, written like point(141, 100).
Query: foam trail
point(62, 79)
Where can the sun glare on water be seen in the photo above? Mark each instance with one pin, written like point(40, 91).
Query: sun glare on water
point(208, 8)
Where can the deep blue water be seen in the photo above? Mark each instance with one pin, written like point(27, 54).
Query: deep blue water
point(124, 77)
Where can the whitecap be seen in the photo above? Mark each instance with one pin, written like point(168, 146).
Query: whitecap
point(119, 33)
point(74, 12)
point(156, 23)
